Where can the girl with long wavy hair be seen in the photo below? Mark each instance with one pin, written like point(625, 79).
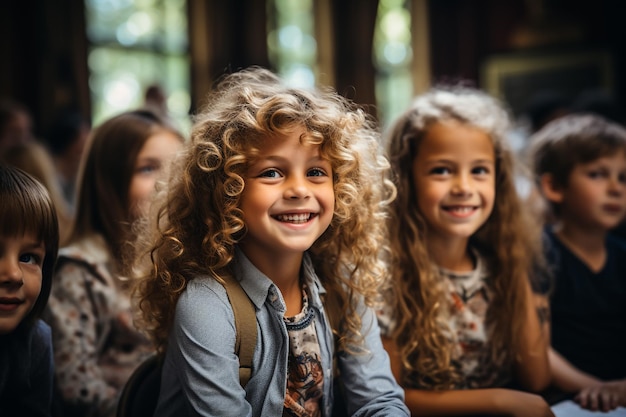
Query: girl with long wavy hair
point(463, 324)
point(283, 189)
point(96, 347)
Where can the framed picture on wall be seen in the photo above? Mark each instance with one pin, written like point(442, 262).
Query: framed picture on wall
point(516, 78)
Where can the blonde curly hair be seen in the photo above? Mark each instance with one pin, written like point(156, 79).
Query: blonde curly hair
point(505, 240)
point(198, 222)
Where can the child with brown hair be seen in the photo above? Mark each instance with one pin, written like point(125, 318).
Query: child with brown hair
point(579, 163)
point(95, 344)
point(29, 239)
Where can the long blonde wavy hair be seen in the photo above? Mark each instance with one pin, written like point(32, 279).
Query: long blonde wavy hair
point(505, 240)
point(198, 222)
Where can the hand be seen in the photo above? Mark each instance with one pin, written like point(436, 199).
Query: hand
point(605, 396)
point(514, 403)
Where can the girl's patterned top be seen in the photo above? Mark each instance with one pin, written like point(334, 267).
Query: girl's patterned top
point(469, 332)
point(96, 347)
point(469, 296)
point(305, 372)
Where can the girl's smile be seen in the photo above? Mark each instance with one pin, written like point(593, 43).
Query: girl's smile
point(461, 212)
point(295, 218)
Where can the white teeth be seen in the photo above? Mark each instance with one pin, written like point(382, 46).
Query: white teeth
point(294, 218)
point(460, 209)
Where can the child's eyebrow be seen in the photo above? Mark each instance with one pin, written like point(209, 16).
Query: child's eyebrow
point(440, 161)
point(148, 159)
point(318, 158)
point(273, 158)
point(455, 161)
point(34, 244)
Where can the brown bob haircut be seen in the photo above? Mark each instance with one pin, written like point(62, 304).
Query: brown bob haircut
point(28, 209)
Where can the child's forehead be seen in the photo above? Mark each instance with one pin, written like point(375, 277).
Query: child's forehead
point(614, 156)
point(299, 137)
point(21, 227)
point(287, 133)
point(25, 237)
point(454, 136)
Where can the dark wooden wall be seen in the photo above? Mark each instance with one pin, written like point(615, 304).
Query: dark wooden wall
point(43, 57)
point(465, 33)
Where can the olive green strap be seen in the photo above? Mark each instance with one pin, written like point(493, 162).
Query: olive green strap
point(245, 327)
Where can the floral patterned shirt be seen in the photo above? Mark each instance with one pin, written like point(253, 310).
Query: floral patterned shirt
point(469, 332)
point(96, 347)
point(305, 377)
point(469, 296)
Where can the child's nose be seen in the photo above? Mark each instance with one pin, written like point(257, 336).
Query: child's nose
point(461, 185)
point(297, 188)
point(616, 186)
point(10, 272)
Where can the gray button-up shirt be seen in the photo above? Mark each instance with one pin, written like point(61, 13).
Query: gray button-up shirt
point(201, 371)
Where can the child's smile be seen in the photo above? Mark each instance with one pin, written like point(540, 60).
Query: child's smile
point(10, 303)
point(295, 218)
point(459, 211)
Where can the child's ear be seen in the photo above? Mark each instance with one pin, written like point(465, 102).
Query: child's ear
point(550, 189)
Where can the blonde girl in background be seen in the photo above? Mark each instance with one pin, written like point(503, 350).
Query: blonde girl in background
point(283, 189)
point(464, 325)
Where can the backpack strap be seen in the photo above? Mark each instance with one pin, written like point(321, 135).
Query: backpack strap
point(334, 312)
point(245, 326)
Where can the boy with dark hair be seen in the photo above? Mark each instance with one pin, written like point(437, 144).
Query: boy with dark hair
point(579, 163)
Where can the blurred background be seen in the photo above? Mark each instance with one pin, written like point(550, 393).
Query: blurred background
point(101, 57)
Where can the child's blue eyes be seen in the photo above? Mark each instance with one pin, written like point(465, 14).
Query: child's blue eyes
point(447, 171)
point(148, 169)
point(273, 173)
point(440, 171)
point(316, 172)
point(270, 173)
point(25, 250)
point(30, 258)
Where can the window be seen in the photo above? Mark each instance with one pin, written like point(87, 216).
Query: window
point(291, 41)
point(392, 58)
point(135, 44)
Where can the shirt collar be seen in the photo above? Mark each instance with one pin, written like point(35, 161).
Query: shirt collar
point(259, 287)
